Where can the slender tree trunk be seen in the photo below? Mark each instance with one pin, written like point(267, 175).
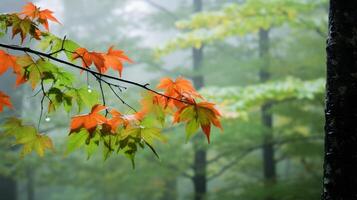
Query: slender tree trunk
point(269, 170)
point(200, 153)
point(340, 166)
point(200, 175)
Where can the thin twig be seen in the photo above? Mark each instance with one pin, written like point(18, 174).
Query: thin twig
point(121, 99)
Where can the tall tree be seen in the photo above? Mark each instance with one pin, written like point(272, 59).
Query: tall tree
point(269, 170)
point(340, 174)
point(200, 153)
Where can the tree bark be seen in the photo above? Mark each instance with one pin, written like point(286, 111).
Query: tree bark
point(200, 153)
point(269, 169)
point(340, 165)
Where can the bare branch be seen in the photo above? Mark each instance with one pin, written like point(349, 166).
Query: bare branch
point(233, 162)
point(249, 150)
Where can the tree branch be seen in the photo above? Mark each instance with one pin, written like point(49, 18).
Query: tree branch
point(94, 73)
point(233, 162)
point(249, 150)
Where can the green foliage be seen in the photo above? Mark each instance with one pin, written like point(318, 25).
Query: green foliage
point(239, 100)
point(54, 44)
point(238, 20)
point(27, 136)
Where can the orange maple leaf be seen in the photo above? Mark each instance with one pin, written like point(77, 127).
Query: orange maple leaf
point(4, 101)
point(115, 121)
point(34, 12)
point(7, 61)
point(89, 121)
point(180, 89)
point(204, 113)
point(115, 58)
point(90, 57)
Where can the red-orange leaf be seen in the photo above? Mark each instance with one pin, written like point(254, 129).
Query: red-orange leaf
point(4, 101)
point(115, 58)
point(89, 121)
point(90, 57)
point(180, 89)
point(7, 61)
point(34, 12)
point(115, 121)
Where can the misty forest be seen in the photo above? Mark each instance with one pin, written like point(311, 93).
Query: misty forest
point(176, 100)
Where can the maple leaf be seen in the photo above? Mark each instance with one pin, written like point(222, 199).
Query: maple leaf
point(89, 121)
point(90, 57)
point(23, 27)
point(37, 142)
point(115, 58)
point(7, 61)
point(201, 114)
point(116, 120)
point(4, 101)
point(27, 136)
point(180, 89)
point(34, 12)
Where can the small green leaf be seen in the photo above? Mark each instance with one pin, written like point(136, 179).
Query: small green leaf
point(76, 140)
point(191, 127)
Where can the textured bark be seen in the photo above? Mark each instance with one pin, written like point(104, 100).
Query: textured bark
point(200, 154)
point(340, 166)
point(269, 169)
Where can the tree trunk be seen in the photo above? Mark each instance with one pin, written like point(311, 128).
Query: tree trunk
point(269, 170)
point(340, 166)
point(200, 176)
point(200, 153)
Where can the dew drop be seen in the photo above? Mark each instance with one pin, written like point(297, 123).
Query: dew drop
point(89, 89)
point(47, 119)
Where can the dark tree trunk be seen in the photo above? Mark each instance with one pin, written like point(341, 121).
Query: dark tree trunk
point(200, 176)
point(200, 153)
point(269, 170)
point(340, 167)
